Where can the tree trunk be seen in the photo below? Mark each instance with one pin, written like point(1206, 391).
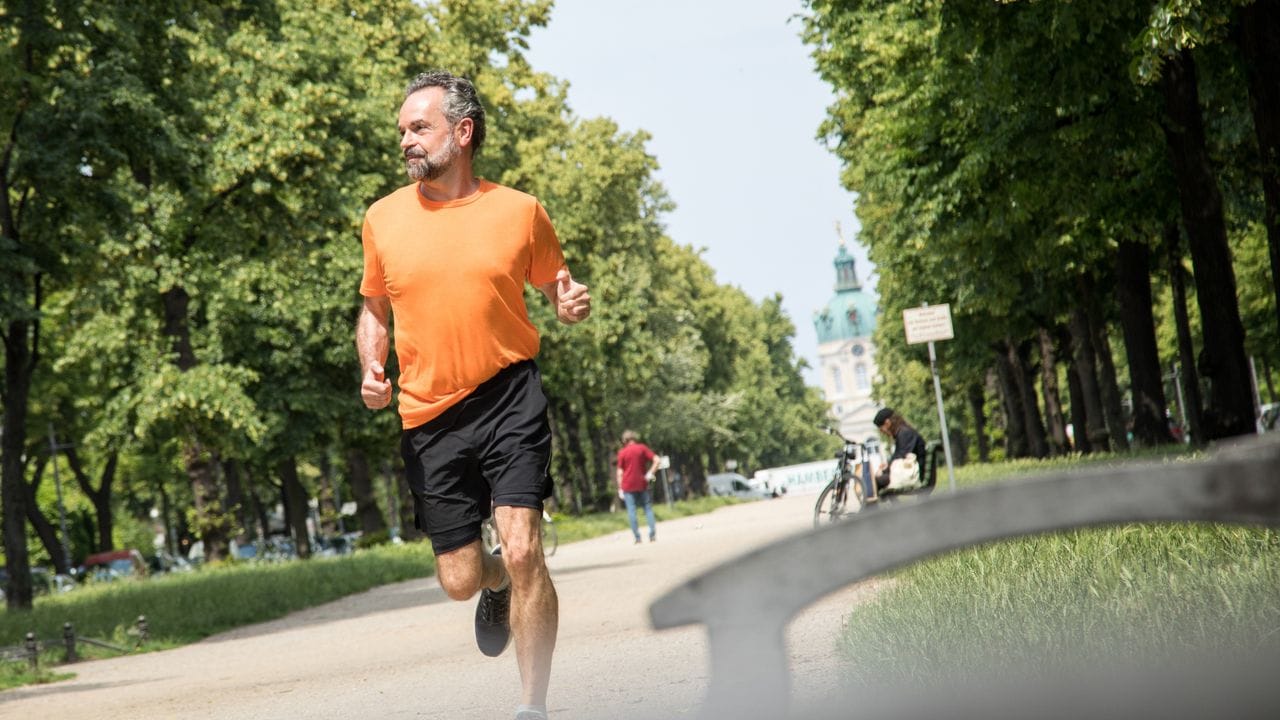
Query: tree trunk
point(1257, 32)
point(1083, 360)
point(1015, 429)
point(45, 530)
point(977, 408)
point(1037, 443)
point(1108, 386)
point(171, 542)
point(694, 478)
point(101, 498)
point(361, 480)
point(1266, 376)
point(577, 458)
point(1189, 378)
point(327, 511)
point(569, 495)
point(1052, 397)
point(237, 505)
point(211, 522)
point(1223, 363)
point(19, 366)
point(604, 465)
point(295, 505)
point(1079, 422)
point(261, 521)
point(1146, 384)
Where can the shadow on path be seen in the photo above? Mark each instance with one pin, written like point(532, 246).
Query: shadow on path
point(386, 598)
point(37, 691)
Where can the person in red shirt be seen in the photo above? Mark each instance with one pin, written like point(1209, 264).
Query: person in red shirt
point(634, 479)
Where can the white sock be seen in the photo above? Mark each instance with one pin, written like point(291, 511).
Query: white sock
point(506, 583)
point(532, 708)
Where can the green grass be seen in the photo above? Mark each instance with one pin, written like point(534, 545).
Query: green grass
point(16, 674)
point(1128, 592)
point(184, 608)
point(581, 527)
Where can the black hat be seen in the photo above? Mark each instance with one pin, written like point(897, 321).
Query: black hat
point(884, 414)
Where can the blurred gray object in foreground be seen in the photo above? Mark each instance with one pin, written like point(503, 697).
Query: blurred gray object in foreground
point(746, 603)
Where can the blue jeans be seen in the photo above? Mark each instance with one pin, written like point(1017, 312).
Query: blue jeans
point(631, 498)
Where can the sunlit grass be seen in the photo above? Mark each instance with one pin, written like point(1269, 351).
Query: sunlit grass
point(17, 674)
point(1128, 592)
point(182, 608)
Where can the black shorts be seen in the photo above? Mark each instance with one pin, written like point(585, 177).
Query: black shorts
point(491, 448)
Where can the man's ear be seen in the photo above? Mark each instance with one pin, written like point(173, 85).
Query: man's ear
point(463, 132)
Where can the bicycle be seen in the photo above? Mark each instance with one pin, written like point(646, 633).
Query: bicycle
point(550, 539)
point(834, 502)
point(855, 459)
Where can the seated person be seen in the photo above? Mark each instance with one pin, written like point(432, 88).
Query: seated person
point(905, 440)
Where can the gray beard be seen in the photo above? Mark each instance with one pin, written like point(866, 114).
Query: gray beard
point(428, 168)
point(420, 169)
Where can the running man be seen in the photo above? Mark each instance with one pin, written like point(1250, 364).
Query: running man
point(448, 256)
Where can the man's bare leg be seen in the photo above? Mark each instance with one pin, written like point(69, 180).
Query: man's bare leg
point(465, 571)
point(535, 609)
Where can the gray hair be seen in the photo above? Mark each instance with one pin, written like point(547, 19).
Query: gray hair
point(460, 101)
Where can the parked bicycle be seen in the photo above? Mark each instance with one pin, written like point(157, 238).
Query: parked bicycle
point(550, 539)
point(842, 496)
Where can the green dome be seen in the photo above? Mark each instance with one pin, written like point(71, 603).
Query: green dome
point(852, 312)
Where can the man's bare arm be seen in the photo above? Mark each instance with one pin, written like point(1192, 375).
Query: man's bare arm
point(373, 333)
point(571, 299)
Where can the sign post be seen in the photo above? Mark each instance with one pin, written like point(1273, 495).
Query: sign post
point(926, 324)
point(664, 463)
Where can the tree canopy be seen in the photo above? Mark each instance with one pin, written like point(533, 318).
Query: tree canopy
point(183, 190)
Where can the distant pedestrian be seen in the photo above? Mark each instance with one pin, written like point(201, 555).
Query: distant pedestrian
point(634, 479)
point(449, 255)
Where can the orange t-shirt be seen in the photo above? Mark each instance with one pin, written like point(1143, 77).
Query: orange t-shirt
point(455, 273)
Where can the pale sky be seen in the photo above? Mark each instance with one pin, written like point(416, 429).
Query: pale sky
point(729, 93)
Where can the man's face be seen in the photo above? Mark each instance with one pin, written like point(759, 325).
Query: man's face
point(426, 138)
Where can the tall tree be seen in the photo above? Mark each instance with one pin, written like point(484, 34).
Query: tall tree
point(83, 95)
point(1222, 361)
point(1257, 33)
point(1133, 290)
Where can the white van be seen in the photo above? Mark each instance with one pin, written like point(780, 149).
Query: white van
point(734, 485)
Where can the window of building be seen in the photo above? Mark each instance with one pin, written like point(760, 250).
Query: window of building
point(836, 379)
point(860, 377)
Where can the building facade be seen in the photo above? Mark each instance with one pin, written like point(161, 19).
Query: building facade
point(846, 355)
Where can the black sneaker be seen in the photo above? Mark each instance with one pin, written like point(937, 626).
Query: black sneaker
point(493, 626)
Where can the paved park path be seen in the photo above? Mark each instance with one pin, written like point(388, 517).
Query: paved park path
point(406, 651)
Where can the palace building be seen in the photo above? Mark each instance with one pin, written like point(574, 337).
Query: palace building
point(846, 355)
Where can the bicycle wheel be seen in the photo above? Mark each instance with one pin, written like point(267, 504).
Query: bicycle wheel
point(830, 505)
point(549, 538)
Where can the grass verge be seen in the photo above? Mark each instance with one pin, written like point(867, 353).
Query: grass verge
point(183, 608)
point(1124, 593)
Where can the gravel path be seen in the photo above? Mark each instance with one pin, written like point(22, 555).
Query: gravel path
point(406, 651)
